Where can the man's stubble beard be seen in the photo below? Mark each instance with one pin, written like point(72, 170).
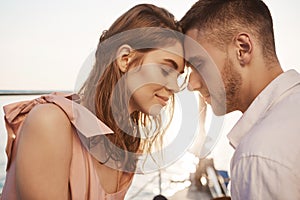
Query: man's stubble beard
point(232, 82)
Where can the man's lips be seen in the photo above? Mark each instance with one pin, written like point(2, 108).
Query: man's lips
point(206, 96)
point(207, 99)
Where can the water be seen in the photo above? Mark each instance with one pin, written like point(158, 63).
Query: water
point(3, 136)
point(173, 178)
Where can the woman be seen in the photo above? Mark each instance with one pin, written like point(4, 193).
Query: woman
point(85, 146)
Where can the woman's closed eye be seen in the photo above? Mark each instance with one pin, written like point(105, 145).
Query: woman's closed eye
point(166, 71)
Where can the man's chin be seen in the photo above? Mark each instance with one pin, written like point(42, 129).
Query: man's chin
point(218, 112)
point(218, 109)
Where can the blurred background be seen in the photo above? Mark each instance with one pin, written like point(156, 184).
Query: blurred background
point(45, 43)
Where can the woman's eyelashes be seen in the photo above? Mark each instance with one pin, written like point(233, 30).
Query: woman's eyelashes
point(166, 70)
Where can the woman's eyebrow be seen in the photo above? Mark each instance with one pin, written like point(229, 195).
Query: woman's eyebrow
point(173, 64)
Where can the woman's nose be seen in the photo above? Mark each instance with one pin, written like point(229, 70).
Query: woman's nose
point(173, 86)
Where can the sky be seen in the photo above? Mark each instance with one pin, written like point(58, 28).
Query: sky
point(44, 44)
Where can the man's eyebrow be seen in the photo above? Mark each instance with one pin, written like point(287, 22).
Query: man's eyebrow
point(194, 59)
point(173, 63)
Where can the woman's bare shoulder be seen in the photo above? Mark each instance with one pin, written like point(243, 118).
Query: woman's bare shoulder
point(48, 122)
point(48, 112)
point(44, 153)
point(48, 116)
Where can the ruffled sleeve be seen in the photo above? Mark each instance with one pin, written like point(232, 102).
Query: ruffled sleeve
point(88, 126)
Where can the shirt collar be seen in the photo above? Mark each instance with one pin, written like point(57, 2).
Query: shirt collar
point(262, 103)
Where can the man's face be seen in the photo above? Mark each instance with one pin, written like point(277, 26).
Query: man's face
point(212, 74)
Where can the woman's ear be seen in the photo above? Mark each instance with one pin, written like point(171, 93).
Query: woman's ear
point(124, 55)
point(244, 47)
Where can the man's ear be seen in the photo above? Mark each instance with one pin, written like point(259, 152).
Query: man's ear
point(244, 47)
point(124, 55)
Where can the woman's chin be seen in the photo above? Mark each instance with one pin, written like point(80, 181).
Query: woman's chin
point(155, 109)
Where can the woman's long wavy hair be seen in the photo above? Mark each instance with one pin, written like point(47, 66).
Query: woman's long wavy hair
point(105, 92)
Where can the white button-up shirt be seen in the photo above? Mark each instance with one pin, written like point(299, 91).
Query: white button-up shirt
point(266, 162)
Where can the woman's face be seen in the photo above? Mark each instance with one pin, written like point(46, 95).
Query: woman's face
point(154, 82)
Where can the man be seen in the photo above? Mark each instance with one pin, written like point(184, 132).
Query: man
point(238, 36)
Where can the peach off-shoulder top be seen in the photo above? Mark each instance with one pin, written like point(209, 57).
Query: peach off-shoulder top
point(83, 180)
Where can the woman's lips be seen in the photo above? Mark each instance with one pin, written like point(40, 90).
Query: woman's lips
point(162, 99)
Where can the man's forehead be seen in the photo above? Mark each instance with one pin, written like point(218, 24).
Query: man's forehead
point(193, 33)
point(192, 48)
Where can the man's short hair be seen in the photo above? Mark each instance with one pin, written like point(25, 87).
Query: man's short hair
point(220, 20)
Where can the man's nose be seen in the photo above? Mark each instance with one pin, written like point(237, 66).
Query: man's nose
point(190, 86)
point(194, 82)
